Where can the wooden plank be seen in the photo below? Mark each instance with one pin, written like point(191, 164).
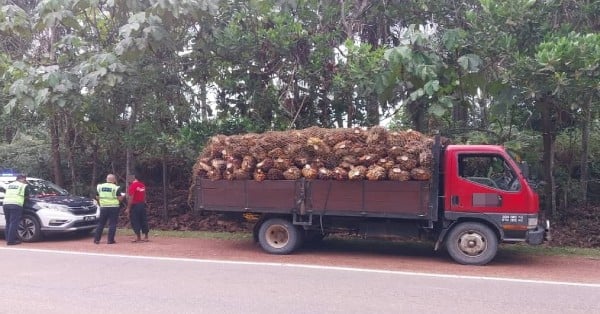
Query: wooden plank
point(352, 198)
point(271, 195)
point(370, 198)
point(335, 196)
point(221, 193)
point(391, 198)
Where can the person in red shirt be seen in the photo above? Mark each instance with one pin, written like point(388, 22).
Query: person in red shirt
point(136, 209)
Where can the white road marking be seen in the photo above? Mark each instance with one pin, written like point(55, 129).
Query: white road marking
point(365, 270)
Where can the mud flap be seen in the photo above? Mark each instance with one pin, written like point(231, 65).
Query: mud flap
point(440, 239)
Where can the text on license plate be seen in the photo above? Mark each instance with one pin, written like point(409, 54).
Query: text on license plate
point(88, 218)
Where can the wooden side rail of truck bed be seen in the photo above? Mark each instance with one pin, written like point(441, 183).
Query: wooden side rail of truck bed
point(390, 199)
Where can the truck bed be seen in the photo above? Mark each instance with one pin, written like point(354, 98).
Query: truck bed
point(391, 199)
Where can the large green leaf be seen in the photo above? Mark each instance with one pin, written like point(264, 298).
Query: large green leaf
point(437, 109)
point(471, 63)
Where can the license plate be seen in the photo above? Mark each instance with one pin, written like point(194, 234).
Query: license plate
point(89, 218)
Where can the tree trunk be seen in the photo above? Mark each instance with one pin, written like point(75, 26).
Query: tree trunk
point(94, 167)
point(129, 159)
point(351, 109)
point(585, 149)
point(55, 150)
point(165, 213)
point(372, 107)
point(71, 141)
point(204, 109)
point(460, 114)
point(548, 135)
point(54, 120)
point(417, 111)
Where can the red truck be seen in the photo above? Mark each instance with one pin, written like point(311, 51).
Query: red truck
point(477, 198)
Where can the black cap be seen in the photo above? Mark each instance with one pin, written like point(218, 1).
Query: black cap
point(21, 177)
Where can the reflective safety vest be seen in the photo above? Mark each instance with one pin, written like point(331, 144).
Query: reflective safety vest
point(107, 195)
point(15, 194)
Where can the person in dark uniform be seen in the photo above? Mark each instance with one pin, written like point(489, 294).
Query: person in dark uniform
point(14, 199)
point(136, 209)
point(109, 196)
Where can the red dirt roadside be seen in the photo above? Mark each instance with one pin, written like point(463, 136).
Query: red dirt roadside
point(398, 257)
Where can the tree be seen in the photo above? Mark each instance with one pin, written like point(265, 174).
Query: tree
point(99, 53)
point(569, 66)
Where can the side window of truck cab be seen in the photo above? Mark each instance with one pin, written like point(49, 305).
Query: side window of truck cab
point(489, 170)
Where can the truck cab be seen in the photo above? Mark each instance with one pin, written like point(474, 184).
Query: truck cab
point(484, 186)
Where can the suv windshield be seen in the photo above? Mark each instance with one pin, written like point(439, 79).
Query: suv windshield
point(41, 188)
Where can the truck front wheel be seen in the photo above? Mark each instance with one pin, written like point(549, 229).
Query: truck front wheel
point(472, 243)
point(278, 236)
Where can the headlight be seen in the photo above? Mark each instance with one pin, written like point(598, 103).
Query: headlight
point(57, 207)
point(532, 222)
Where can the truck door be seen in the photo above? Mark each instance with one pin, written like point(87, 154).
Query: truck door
point(484, 183)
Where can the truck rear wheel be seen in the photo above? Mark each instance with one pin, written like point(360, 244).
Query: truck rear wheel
point(472, 243)
point(278, 236)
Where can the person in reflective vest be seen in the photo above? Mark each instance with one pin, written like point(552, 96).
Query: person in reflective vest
point(14, 199)
point(109, 196)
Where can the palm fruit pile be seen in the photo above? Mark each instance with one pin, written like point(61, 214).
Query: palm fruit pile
point(318, 154)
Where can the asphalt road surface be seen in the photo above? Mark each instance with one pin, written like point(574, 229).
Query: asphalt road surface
point(53, 281)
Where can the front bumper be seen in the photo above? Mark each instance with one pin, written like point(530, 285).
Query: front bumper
point(59, 222)
point(538, 235)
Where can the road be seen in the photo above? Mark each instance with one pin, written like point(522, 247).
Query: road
point(40, 280)
point(380, 255)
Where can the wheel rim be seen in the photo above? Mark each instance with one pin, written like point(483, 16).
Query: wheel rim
point(472, 243)
point(277, 236)
point(27, 228)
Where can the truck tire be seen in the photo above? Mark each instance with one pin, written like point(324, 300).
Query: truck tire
point(278, 236)
point(29, 229)
point(472, 243)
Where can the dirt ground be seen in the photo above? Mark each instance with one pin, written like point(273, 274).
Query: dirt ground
point(373, 255)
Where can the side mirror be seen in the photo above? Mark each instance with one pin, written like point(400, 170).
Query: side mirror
point(524, 169)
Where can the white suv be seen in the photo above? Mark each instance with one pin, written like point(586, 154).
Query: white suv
point(51, 209)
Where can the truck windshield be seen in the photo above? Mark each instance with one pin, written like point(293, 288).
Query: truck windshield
point(488, 169)
point(41, 188)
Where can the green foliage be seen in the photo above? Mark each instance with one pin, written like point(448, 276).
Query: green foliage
point(27, 154)
point(568, 146)
point(14, 19)
point(196, 134)
point(571, 63)
point(162, 76)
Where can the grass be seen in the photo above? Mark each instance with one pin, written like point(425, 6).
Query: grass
point(198, 234)
point(553, 250)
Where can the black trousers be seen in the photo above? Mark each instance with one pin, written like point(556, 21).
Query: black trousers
point(12, 216)
point(110, 214)
point(139, 218)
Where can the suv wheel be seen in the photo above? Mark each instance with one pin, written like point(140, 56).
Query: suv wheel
point(29, 229)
